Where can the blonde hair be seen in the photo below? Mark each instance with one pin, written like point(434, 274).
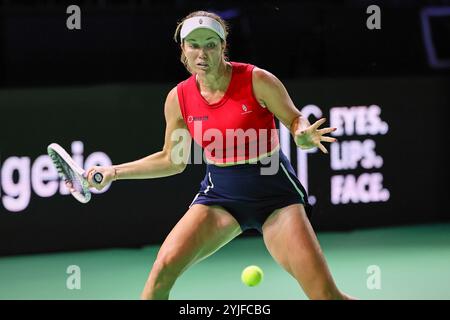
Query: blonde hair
point(212, 15)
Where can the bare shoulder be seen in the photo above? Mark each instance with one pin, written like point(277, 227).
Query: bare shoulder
point(264, 77)
point(172, 97)
point(264, 81)
point(266, 86)
point(271, 93)
point(172, 105)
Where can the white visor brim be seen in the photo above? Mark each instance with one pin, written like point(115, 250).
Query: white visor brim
point(195, 23)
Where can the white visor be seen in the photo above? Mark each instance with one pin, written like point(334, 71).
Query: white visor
point(194, 23)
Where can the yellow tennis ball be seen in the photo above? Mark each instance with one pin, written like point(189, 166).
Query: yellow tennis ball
point(252, 276)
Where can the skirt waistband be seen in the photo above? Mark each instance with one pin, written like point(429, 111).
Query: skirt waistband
point(249, 167)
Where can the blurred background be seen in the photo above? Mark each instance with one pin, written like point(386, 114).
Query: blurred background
point(99, 91)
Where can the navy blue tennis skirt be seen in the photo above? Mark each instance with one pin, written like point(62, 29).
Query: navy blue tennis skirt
point(250, 196)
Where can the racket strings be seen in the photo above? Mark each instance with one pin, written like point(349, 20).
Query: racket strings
point(67, 174)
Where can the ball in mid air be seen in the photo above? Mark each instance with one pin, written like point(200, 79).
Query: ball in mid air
point(252, 276)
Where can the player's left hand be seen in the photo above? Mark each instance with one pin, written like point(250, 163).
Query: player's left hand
point(311, 136)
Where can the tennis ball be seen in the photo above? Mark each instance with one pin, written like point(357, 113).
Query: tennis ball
point(252, 276)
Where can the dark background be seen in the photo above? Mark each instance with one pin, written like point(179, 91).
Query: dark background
point(131, 41)
point(56, 83)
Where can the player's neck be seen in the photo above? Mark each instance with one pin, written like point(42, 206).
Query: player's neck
point(216, 81)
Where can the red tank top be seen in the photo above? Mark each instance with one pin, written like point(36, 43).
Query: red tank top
point(236, 129)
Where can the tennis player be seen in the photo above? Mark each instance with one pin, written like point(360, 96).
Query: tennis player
point(222, 99)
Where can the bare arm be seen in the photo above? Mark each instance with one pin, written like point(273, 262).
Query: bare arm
point(270, 92)
point(172, 159)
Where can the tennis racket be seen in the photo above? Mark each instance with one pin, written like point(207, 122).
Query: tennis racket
point(72, 173)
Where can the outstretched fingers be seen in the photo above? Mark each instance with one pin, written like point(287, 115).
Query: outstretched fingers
point(322, 148)
point(328, 139)
point(326, 130)
point(318, 123)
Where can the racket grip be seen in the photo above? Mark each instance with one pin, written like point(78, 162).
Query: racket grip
point(97, 177)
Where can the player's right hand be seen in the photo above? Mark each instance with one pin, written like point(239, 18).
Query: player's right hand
point(108, 176)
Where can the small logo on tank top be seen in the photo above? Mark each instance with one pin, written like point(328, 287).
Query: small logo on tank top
point(245, 109)
point(196, 118)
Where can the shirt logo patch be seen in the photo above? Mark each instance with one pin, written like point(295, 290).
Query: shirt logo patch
point(245, 109)
point(196, 118)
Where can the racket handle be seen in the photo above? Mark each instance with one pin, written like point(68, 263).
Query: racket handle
point(97, 177)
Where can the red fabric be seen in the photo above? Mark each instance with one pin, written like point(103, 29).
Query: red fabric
point(238, 109)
